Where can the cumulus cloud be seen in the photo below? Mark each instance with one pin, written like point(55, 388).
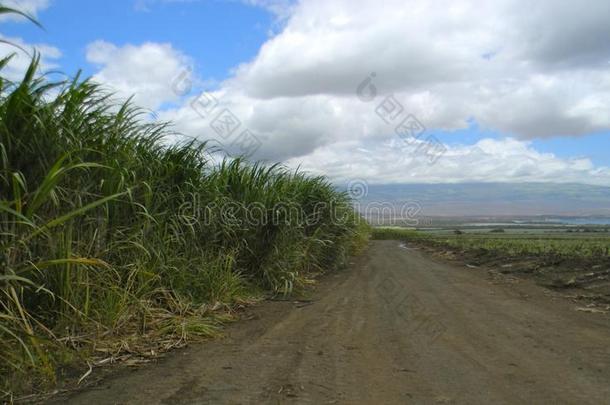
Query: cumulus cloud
point(499, 58)
point(282, 9)
point(21, 50)
point(22, 56)
point(29, 7)
point(488, 160)
point(145, 71)
point(523, 70)
point(286, 127)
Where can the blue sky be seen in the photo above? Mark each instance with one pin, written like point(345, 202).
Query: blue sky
point(217, 34)
point(595, 146)
point(289, 73)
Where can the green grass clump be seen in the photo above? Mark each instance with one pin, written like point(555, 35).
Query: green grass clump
point(393, 233)
point(106, 231)
point(519, 246)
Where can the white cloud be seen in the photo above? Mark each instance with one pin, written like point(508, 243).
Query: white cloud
point(145, 71)
point(312, 133)
point(526, 70)
point(22, 56)
point(520, 69)
point(29, 7)
point(489, 160)
point(21, 50)
point(282, 9)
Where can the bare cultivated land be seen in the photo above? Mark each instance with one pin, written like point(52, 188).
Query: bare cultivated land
point(398, 326)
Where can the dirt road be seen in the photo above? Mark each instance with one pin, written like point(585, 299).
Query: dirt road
point(397, 327)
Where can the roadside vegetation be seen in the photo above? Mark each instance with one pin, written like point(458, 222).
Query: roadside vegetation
point(394, 233)
point(114, 244)
point(558, 245)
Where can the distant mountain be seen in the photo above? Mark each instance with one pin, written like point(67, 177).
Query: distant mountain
point(494, 199)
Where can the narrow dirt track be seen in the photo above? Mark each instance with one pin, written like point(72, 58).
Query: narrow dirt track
point(396, 327)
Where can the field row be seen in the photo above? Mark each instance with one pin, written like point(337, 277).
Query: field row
point(578, 246)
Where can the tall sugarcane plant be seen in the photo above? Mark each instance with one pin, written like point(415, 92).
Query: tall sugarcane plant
point(107, 229)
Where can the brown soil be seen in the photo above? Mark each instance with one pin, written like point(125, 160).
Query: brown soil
point(584, 279)
point(396, 327)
